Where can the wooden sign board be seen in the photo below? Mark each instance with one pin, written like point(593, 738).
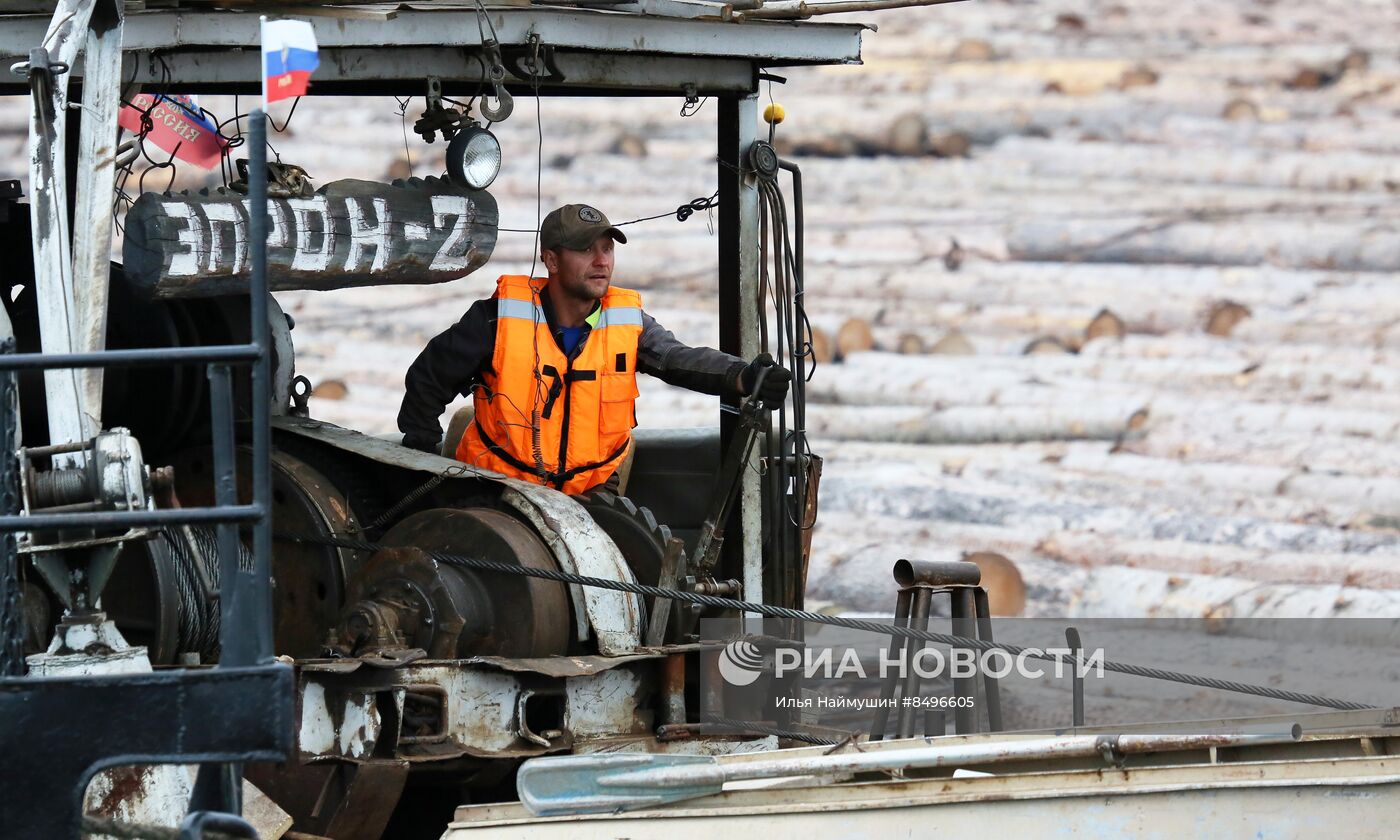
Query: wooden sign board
point(350, 233)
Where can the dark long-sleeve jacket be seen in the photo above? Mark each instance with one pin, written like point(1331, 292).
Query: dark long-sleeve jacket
point(452, 363)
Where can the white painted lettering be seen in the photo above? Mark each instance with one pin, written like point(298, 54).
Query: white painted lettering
point(306, 259)
point(452, 256)
point(191, 236)
point(366, 235)
point(226, 217)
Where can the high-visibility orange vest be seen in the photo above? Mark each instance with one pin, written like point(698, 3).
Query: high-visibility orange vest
point(541, 417)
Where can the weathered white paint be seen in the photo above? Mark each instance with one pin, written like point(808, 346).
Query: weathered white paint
point(452, 256)
point(307, 259)
point(602, 704)
point(368, 236)
point(359, 725)
point(92, 223)
point(186, 263)
point(53, 264)
point(480, 704)
point(161, 792)
point(317, 732)
point(581, 547)
point(226, 220)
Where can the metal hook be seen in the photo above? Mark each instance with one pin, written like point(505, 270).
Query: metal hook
point(505, 104)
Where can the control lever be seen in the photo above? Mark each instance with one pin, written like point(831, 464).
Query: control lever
point(707, 547)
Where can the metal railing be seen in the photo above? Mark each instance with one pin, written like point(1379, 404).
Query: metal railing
point(239, 711)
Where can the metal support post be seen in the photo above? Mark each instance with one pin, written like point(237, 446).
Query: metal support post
point(964, 717)
point(918, 619)
point(259, 593)
point(989, 682)
point(897, 646)
point(738, 316)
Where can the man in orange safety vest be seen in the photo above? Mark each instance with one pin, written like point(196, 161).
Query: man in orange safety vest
point(551, 364)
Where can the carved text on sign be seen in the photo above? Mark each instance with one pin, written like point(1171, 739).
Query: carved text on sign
point(351, 233)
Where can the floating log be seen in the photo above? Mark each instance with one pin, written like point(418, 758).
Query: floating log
point(330, 389)
point(909, 344)
point(1046, 345)
point(823, 348)
point(854, 336)
point(973, 424)
point(1006, 589)
point(1105, 325)
point(1224, 315)
point(953, 343)
point(1115, 592)
point(350, 233)
point(1344, 245)
point(1364, 570)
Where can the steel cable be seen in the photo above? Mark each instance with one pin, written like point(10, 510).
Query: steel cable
point(839, 621)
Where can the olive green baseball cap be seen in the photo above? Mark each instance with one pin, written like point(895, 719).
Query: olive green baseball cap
point(576, 227)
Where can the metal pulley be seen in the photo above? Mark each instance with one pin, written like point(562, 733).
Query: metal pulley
point(108, 474)
point(763, 159)
point(403, 599)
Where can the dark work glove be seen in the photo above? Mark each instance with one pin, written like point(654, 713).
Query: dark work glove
point(775, 384)
point(421, 443)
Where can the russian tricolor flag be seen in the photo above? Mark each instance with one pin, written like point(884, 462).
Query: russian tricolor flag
point(289, 56)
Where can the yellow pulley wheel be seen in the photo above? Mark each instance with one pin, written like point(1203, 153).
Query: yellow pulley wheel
point(774, 114)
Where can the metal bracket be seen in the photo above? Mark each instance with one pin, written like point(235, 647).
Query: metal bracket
point(301, 396)
point(525, 62)
point(39, 63)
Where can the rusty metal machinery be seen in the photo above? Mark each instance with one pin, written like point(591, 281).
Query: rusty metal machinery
point(308, 580)
point(165, 407)
point(634, 529)
point(403, 599)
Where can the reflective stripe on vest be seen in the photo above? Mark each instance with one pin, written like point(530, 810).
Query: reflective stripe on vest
point(544, 417)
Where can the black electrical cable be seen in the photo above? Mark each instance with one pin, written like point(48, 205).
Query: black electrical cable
point(876, 627)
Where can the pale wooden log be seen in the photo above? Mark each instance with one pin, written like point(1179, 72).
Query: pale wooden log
point(894, 369)
point(1366, 571)
point(1346, 245)
point(1224, 316)
point(1115, 592)
point(910, 343)
point(892, 490)
point(1345, 171)
point(1090, 285)
point(1332, 133)
point(1188, 373)
point(1352, 366)
point(972, 423)
point(823, 348)
point(1105, 325)
point(854, 336)
point(953, 343)
point(1380, 493)
point(1368, 335)
point(1357, 456)
point(1047, 345)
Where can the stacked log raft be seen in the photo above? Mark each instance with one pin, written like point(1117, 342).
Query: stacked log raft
point(1113, 299)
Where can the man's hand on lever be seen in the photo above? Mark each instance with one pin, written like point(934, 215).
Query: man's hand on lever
point(770, 379)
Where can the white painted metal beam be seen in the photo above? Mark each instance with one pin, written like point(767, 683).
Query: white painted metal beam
point(53, 266)
point(645, 73)
point(770, 44)
point(92, 218)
